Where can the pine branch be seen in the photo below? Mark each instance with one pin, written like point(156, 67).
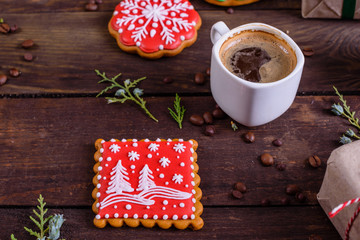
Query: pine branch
point(179, 112)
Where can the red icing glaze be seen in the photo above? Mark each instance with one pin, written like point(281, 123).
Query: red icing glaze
point(180, 163)
point(155, 16)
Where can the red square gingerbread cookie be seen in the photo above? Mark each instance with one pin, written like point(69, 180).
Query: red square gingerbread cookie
point(147, 182)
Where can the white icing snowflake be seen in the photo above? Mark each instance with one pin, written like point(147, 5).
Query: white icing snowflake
point(177, 178)
point(115, 148)
point(133, 156)
point(169, 15)
point(164, 161)
point(153, 147)
point(179, 147)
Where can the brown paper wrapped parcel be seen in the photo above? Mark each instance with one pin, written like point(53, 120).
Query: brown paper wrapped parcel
point(342, 183)
point(349, 9)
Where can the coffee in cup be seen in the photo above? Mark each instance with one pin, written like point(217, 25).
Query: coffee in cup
point(258, 56)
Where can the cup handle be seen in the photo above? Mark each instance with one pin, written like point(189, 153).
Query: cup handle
point(217, 30)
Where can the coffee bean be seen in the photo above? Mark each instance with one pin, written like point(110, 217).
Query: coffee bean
point(240, 186)
point(230, 10)
point(91, 7)
point(237, 194)
point(3, 79)
point(28, 57)
point(196, 120)
point(209, 130)
point(14, 28)
point(267, 159)
point(315, 237)
point(300, 197)
point(285, 201)
point(277, 142)
point(208, 118)
point(308, 52)
point(314, 161)
point(218, 113)
point(199, 78)
point(208, 70)
point(281, 166)
point(27, 43)
point(168, 80)
point(99, 1)
point(4, 28)
point(265, 202)
point(249, 137)
point(14, 72)
point(292, 189)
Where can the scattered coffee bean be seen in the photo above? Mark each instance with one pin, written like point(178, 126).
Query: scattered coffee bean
point(240, 186)
point(308, 52)
point(168, 80)
point(91, 7)
point(209, 130)
point(285, 201)
point(14, 72)
point(27, 43)
point(292, 189)
point(199, 78)
point(300, 197)
point(208, 70)
point(3, 79)
point(208, 118)
point(267, 159)
point(14, 28)
point(196, 120)
point(230, 10)
point(249, 137)
point(265, 202)
point(277, 142)
point(218, 113)
point(314, 161)
point(237, 194)
point(315, 237)
point(28, 57)
point(281, 166)
point(4, 28)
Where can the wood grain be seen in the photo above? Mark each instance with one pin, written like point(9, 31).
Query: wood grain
point(48, 146)
point(69, 46)
point(220, 223)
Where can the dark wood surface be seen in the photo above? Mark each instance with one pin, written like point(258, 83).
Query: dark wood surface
point(50, 119)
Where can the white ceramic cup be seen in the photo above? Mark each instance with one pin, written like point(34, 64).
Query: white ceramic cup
point(251, 104)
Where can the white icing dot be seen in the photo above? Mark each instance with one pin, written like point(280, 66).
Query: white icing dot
point(194, 200)
point(138, 44)
point(132, 171)
point(102, 141)
point(165, 202)
point(115, 13)
point(182, 38)
point(99, 168)
point(126, 215)
point(169, 4)
point(191, 142)
point(181, 140)
point(161, 175)
point(108, 159)
point(193, 191)
point(157, 169)
point(99, 177)
point(112, 140)
point(106, 215)
point(149, 155)
point(158, 140)
point(166, 183)
point(145, 216)
point(193, 209)
point(185, 217)
point(134, 140)
point(141, 21)
point(193, 183)
point(123, 140)
point(98, 216)
point(147, 207)
point(168, 22)
point(126, 145)
point(135, 11)
point(177, 157)
point(174, 206)
point(192, 174)
point(106, 165)
point(182, 204)
point(182, 164)
point(155, 1)
point(168, 144)
point(165, 217)
point(192, 150)
point(192, 167)
point(115, 206)
point(132, 166)
point(186, 185)
point(104, 178)
point(154, 25)
point(100, 159)
point(116, 215)
point(155, 217)
point(98, 185)
point(98, 195)
point(163, 208)
point(128, 206)
point(97, 205)
point(135, 216)
point(101, 150)
point(192, 216)
point(191, 7)
point(173, 14)
point(146, 140)
point(143, 4)
point(175, 217)
point(157, 154)
point(169, 140)
point(135, 144)
point(194, 23)
point(191, 159)
point(161, 47)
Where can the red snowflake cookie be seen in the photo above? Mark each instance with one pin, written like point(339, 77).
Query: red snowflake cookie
point(147, 182)
point(154, 28)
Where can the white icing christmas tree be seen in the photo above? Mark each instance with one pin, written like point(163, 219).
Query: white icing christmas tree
point(145, 179)
point(119, 180)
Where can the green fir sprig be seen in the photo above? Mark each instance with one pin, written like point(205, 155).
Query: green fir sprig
point(124, 92)
point(234, 126)
point(344, 111)
point(178, 115)
point(1, 20)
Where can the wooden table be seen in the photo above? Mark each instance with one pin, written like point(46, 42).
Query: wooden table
point(50, 118)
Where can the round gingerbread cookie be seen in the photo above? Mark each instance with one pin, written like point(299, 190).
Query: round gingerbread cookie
point(228, 3)
point(154, 28)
